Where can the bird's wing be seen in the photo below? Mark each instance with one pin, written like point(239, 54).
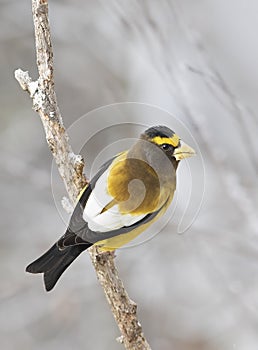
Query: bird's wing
point(96, 217)
point(101, 211)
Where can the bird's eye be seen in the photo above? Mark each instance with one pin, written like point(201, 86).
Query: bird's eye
point(165, 146)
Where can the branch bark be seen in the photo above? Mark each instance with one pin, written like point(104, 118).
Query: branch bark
point(70, 167)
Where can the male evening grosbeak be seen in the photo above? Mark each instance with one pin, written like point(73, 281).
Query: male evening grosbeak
point(129, 193)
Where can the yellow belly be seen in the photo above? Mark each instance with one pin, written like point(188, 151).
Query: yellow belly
point(118, 241)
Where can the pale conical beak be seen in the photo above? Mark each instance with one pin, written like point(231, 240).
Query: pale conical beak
point(183, 151)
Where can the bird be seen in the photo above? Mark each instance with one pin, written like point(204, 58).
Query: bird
point(128, 193)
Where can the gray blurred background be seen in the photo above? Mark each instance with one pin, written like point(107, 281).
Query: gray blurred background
point(191, 65)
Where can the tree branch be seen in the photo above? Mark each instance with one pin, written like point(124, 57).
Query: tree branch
point(70, 167)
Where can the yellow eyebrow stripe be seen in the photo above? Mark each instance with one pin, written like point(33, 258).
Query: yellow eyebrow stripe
point(174, 140)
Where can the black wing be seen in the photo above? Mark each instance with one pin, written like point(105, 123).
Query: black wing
point(78, 231)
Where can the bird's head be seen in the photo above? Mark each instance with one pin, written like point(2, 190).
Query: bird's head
point(160, 149)
point(168, 142)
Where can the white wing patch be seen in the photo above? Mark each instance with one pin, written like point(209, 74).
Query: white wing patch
point(98, 198)
point(111, 219)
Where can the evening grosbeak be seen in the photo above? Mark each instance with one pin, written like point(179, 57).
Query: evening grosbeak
point(129, 193)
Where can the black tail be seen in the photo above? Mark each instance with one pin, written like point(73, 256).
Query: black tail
point(54, 262)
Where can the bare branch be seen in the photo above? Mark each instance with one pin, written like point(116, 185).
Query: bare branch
point(70, 167)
